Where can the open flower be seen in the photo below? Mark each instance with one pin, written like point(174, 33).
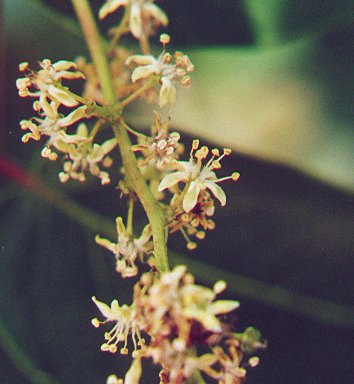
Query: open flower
point(47, 83)
point(124, 319)
point(143, 17)
point(198, 177)
point(148, 65)
point(161, 148)
point(53, 128)
point(84, 155)
point(127, 248)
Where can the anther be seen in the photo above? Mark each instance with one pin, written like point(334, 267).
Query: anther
point(95, 323)
point(23, 66)
point(191, 245)
point(235, 176)
point(165, 38)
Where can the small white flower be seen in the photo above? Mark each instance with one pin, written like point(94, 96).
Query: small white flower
point(127, 248)
point(198, 177)
point(148, 65)
point(143, 17)
point(124, 317)
point(83, 155)
point(54, 127)
point(47, 83)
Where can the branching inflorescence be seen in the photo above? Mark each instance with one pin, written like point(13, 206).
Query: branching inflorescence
point(169, 310)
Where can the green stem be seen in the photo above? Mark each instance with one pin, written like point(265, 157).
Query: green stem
point(96, 48)
point(133, 174)
point(122, 28)
point(133, 131)
point(138, 92)
point(152, 207)
point(130, 230)
point(21, 361)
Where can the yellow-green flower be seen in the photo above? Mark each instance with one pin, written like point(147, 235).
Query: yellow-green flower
point(125, 324)
point(198, 177)
point(143, 15)
point(127, 248)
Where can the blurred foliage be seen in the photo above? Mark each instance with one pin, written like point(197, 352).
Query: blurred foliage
point(271, 81)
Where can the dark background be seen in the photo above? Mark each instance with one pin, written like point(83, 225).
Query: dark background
point(285, 240)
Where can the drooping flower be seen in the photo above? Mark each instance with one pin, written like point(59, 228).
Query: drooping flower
point(125, 324)
point(127, 248)
point(162, 66)
point(144, 15)
point(198, 177)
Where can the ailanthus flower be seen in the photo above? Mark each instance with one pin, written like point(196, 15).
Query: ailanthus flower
point(160, 149)
point(47, 84)
point(125, 324)
point(198, 177)
point(53, 128)
point(148, 65)
point(83, 155)
point(127, 248)
point(144, 15)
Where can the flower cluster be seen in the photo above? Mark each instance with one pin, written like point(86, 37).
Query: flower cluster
point(188, 331)
point(127, 249)
point(79, 150)
point(45, 85)
point(178, 315)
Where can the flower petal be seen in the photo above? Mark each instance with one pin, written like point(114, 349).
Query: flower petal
point(220, 307)
point(142, 72)
point(110, 6)
point(171, 179)
point(106, 244)
point(108, 145)
point(167, 92)
point(157, 13)
point(191, 197)
point(135, 21)
point(104, 308)
point(141, 60)
point(73, 117)
point(217, 191)
point(62, 96)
